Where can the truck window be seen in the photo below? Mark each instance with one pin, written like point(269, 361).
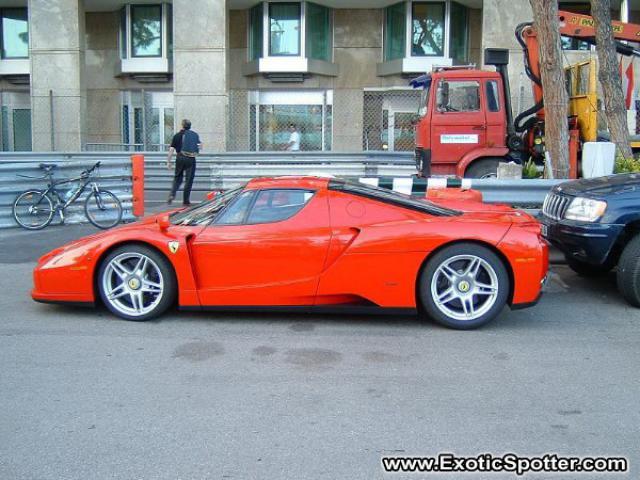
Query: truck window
point(458, 96)
point(424, 100)
point(493, 97)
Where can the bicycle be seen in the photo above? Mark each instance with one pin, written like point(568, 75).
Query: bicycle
point(34, 209)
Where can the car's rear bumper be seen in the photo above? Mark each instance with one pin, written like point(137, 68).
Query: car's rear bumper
point(585, 242)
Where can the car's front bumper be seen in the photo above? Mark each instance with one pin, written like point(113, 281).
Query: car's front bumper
point(585, 242)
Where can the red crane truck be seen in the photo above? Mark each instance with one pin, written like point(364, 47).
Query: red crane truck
point(465, 125)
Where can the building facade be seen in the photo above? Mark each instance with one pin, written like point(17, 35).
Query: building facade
point(112, 75)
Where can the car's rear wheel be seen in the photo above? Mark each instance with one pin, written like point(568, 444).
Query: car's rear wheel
point(464, 286)
point(629, 272)
point(136, 283)
point(586, 269)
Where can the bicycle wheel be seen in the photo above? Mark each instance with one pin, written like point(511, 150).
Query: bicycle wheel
point(103, 209)
point(33, 210)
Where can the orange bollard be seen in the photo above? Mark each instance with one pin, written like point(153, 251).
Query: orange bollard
point(137, 178)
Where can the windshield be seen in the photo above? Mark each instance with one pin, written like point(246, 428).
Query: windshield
point(392, 197)
point(424, 100)
point(204, 213)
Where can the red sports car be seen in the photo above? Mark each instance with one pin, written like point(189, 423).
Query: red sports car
point(309, 243)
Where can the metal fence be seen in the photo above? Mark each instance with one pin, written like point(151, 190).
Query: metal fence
point(327, 120)
point(114, 174)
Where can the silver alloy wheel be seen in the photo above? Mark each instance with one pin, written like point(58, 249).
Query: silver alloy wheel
point(133, 284)
point(464, 287)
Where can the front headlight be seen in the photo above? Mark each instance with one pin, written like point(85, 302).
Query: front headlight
point(585, 209)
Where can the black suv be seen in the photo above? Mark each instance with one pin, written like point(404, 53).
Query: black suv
point(595, 222)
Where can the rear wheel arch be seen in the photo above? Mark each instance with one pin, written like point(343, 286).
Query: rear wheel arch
point(489, 246)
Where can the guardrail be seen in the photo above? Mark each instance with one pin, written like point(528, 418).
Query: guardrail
point(114, 174)
point(224, 171)
point(228, 170)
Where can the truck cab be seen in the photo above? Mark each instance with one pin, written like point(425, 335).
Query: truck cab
point(462, 122)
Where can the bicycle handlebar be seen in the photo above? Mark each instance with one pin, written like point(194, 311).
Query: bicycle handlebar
point(88, 172)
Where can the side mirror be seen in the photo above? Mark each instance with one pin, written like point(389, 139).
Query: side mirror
point(163, 222)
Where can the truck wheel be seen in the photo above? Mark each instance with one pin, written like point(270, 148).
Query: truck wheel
point(629, 272)
point(485, 168)
point(586, 269)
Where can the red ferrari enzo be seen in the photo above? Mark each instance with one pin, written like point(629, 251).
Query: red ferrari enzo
point(308, 243)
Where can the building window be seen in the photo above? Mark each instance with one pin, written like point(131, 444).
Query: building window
point(290, 29)
point(15, 33)
point(255, 32)
point(146, 30)
point(271, 113)
point(146, 38)
point(424, 30)
point(394, 32)
point(319, 27)
point(428, 29)
point(284, 29)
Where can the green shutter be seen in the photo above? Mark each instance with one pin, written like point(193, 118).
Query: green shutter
point(458, 41)
point(394, 31)
point(255, 32)
point(318, 25)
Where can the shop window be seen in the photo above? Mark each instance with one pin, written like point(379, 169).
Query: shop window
point(148, 120)
point(272, 113)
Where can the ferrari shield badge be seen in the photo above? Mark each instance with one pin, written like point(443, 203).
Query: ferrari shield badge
point(173, 246)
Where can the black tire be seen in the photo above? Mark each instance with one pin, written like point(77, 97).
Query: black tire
point(104, 214)
point(448, 254)
point(40, 199)
point(169, 290)
point(483, 168)
point(629, 272)
point(586, 269)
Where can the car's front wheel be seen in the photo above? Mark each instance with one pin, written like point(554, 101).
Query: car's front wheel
point(136, 283)
point(464, 286)
point(629, 272)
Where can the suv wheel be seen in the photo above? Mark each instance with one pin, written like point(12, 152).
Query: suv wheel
point(629, 272)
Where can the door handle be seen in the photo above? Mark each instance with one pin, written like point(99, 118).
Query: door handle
point(480, 127)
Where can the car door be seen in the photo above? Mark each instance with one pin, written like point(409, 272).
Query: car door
point(458, 123)
point(267, 248)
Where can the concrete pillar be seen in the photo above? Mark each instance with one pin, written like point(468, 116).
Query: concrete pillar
point(499, 21)
point(200, 68)
point(58, 92)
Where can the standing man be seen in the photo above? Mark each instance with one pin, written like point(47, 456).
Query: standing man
point(294, 139)
point(186, 143)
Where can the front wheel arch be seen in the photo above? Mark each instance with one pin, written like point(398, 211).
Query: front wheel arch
point(493, 248)
point(103, 255)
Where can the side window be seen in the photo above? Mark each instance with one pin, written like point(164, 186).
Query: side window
point(493, 96)
point(235, 213)
point(458, 96)
point(277, 205)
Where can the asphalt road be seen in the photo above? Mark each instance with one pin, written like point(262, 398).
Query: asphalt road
point(210, 396)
